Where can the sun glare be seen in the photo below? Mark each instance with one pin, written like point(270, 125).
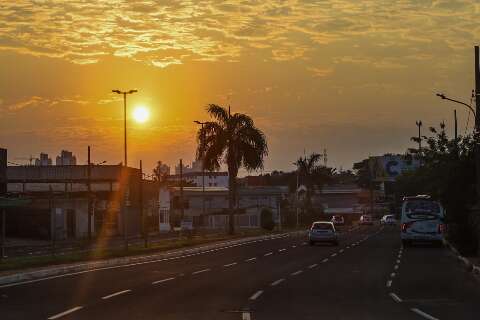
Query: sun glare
point(141, 114)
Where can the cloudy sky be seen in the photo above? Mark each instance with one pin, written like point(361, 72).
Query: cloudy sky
point(346, 75)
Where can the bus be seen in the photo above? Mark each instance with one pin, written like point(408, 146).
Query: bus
point(422, 220)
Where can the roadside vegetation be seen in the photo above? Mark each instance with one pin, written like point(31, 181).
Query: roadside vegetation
point(447, 173)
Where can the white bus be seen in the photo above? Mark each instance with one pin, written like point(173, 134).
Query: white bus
point(422, 219)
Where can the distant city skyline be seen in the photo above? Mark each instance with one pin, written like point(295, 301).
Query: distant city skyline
point(348, 76)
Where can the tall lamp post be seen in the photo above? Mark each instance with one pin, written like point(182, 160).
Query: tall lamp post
point(124, 93)
point(203, 167)
point(419, 125)
point(124, 214)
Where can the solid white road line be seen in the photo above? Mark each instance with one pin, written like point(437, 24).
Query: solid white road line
point(268, 254)
point(200, 271)
point(230, 264)
point(251, 259)
point(281, 250)
point(163, 280)
point(296, 273)
point(246, 316)
point(423, 314)
point(274, 283)
point(312, 266)
point(116, 294)
point(389, 283)
point(395, 297)
point(256, 295)
point(325, 260)
point(59, 315)
point(140, 263)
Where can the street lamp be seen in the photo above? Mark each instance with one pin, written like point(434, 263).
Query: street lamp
point(441, 95)
point(124, 93)
point(203, 166)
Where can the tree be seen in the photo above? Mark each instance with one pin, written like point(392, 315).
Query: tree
point(232, 139)
point(313, 174)
point(266, 219)
point(447, 173)
point(161, 172)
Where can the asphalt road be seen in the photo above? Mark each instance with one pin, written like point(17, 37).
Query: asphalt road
point(368, 276)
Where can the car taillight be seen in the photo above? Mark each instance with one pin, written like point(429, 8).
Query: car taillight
point(405, 226)
point(442, 228)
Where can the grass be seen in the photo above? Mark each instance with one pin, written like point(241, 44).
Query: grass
point(22, 263)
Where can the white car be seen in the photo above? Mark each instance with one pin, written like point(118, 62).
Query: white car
point(388, 219)
point(322, 231)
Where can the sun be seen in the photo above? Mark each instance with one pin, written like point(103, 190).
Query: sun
point(141, 114)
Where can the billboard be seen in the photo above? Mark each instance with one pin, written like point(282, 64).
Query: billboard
point(389, 167)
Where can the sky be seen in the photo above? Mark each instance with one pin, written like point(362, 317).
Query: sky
point(351, 77)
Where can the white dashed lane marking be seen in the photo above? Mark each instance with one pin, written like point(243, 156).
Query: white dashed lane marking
point(274, 283)
point(312, 266)
point(230, 264)
point(268, 254)
point(281, 250)
point(116, 294)
point(59, 315)
point(251, 259)
point(423, 314)
point(200, 271)
point(296, 273)
point(324, 260)
point(256, 295)
point(395, 297)
point(389, 283)
point(163, 280)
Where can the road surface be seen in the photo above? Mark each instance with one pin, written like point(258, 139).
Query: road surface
point(368, 276)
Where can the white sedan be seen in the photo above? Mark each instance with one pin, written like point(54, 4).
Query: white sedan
point(388, 219)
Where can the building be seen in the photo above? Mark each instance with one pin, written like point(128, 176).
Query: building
point(211, 179)
point(44, 160)
point(251, 201)
point(66, 158)
point(63, 196)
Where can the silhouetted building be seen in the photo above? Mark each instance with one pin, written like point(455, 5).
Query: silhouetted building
point(66, 158)
point(44, 160)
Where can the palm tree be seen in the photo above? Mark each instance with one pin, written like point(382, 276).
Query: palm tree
point(313, 173)
point(306, 167)
point(234, 140)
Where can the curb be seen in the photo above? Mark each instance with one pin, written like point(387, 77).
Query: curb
point(469, 266)
point(56, 271)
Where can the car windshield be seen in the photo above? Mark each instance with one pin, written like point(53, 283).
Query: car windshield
point(422, 206)
point(322, 226)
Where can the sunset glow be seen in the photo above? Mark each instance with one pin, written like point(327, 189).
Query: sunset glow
point(141, 114)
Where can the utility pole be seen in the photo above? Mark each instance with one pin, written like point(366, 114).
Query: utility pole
point(181, 192)
point(4, 222)
point(419, 125)
point(296, 195)
point(456, 124)
point(142, 212)
point(477, 121)
point(203, 166)
point(89, 194)
point(53, 215)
